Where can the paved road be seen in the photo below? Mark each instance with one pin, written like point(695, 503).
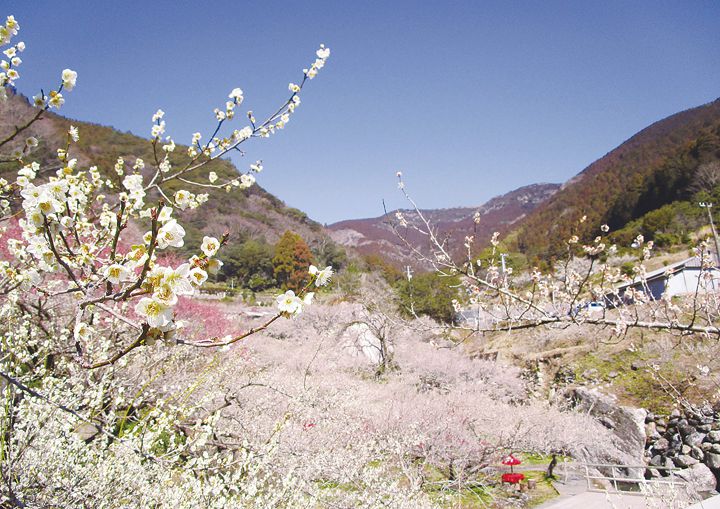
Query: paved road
point(592, 500)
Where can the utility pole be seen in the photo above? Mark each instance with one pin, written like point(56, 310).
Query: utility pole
point(708, 206)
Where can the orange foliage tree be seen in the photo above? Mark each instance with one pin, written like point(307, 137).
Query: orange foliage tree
point(291, 261)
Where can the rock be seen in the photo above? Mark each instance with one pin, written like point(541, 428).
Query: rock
point(653, 473)
point(608, 423)
point(627, 423)
point(661, 422)
point(651, 431)
point(676, 442)
point(715, 448)
point(650, 417)
point(86, 431)
point(685, 449)
point(699, 476)
point(712, 460)
point(714, 437)
point(694, 439)
point(705, 428)
point(360, 340)
point(565, 375)
point(684, 461)
point(657, 460)
point(697, 453)
point(589, 374)
point(637, 365)
point(675, 413)
point(685, 429)
point(613, 374)
point(661, 445)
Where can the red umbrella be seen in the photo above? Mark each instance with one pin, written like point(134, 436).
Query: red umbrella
point(513, 478)
point(511, 461)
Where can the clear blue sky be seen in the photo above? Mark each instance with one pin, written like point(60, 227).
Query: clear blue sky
point(469, 99)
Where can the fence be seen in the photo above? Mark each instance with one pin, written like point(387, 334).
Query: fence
point(621, 480)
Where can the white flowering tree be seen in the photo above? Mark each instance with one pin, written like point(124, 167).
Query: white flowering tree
point(587, 288)
point(79, 291)
point(73, 225)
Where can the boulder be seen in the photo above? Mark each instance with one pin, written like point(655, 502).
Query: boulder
point(651, 431)
point(714, 437)
point(661, 444)
point(698, 452)
point(694, 439)
point(712, 460)
point(627, 423)
point(684, 461)
point(699, 476)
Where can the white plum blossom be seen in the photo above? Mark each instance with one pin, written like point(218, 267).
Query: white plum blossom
point(117, 273)
point(214, 265)
point(183, 199)
point(289, 303)
point(198, 276)
point(246, 180)
point(178, 279)
point(236, 95)
point(171, 234)
point(322, 277)
point(82, 331)
point(69, 77)
point(156, 312)
point(210, 246)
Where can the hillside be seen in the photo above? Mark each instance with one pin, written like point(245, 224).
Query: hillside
point(253, 213)
point(374, 236)
point(655, 167)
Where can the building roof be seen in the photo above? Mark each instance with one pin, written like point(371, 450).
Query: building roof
point(694, 262)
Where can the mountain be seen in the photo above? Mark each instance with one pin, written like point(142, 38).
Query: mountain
point(253, 213)
point(655, 167)
point(375, 236)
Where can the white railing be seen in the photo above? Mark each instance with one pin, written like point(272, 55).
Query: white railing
point(626, 485)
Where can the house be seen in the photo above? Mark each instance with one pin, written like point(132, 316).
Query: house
point(679, 278)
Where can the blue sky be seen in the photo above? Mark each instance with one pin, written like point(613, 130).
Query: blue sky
point(469, 99)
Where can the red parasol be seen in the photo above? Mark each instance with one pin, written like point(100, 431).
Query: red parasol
point(512, 478)
point(511, 461)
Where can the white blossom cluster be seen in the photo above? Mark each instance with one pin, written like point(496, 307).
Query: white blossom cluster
point(86, 278)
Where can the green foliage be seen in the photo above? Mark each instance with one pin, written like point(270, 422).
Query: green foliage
point(291, 261)
point(429, 294)
point(513, 260)
point(348, 281)
point(251, 263)
point(327, 252)
point(390, 272)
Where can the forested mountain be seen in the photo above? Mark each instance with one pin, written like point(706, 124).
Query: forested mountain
point(253, 213)
point(655, 167)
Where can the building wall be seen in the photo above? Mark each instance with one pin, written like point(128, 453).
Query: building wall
point(686, 282)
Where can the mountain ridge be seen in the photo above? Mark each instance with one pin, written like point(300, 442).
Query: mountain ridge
point(650, 169)
point(375, 236)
